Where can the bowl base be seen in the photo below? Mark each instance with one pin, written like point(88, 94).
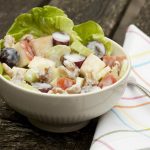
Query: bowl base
point(58, 128)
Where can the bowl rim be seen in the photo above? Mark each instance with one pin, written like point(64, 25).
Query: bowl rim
point(76, 95)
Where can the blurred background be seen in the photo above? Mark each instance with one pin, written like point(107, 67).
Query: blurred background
point(113, 15)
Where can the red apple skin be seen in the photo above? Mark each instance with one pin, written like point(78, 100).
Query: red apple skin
point(28, 49)
point(55, 42)
point(79, 63)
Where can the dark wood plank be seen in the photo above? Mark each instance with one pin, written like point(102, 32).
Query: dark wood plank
point(143, 19)
point(15, 131)
point(107, 13)
point(128, 19)
point(9, 9)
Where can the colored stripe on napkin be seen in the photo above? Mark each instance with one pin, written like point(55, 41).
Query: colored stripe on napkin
point(127, 125)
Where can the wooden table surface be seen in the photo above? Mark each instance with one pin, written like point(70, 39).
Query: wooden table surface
point(16, 133)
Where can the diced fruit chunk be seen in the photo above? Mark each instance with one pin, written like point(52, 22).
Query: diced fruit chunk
point(41, 45)
point(18, 75)
point(75, 58)
point(79, 81)
point(97, 48)
point(65, 83)
point(60, 38)
point(40, 63)
point(9, 56)
point(24, 60)
point(93, 65)
point(55, 53)
point(110, 60)
point(103, 72)
point(28, 49)
point(31, 76)
point(109, 79)
point(43, 87)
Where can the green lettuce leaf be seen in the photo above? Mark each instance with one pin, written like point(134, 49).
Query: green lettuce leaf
point(90, 31)
point(41, 21)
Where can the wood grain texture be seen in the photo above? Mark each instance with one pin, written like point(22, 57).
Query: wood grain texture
point(15, 131)
point(143, 19)
point(10, 9)
point(107, 13)
point(128, 19)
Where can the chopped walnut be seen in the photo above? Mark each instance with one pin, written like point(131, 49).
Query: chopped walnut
point(57, 90)
point(90, 79)
point(44, 75)
point(76, 88)
point(69, 65)
point(115, 69)
point(9, 41)
point(69, 73)
point(117, 63)
point(8, 70)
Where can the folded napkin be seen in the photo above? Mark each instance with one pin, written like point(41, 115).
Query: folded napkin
point(127, 125)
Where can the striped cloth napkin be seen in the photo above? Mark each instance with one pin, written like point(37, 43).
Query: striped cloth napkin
point(127, 125)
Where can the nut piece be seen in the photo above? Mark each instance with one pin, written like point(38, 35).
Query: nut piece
point(90, 80)
point(76, 88)
point(69, 65)
point(69, 73)
point(57, 90)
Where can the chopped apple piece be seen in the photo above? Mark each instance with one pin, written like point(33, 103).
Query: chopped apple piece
point(18, 74)
point(41, 63)
point(41, 45)
point(109, 79)
point(57, 52)
point(24, 59)
point(93, 65)
point(79, 81)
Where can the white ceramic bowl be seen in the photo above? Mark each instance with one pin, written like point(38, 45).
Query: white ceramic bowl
point(64, 113)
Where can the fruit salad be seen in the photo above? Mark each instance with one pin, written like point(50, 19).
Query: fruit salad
point(45, 52)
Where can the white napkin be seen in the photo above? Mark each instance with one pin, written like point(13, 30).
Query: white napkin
point(127, 125)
